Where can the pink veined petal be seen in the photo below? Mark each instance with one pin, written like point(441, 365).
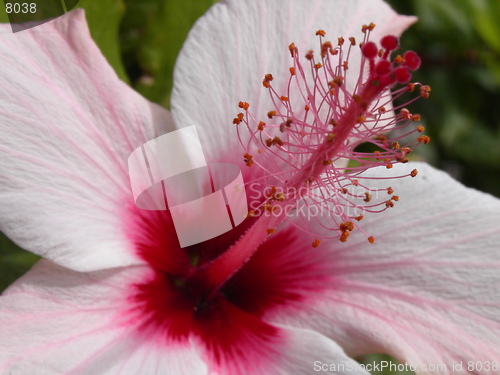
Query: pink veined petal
point(232, 47)
point(428, 290)
point(68, 125)
point(309, 352)
point(57, 321)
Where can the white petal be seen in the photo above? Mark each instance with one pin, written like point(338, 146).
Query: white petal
point(68, 125)
point(232, 47)
point(428, 290)
point(56, 321)
point(308, 352)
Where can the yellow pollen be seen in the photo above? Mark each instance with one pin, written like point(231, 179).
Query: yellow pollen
point(425, 91)
point(424, 139)
point(344, 236)
point(398, 59)
point(369, 27)
point(243, 105)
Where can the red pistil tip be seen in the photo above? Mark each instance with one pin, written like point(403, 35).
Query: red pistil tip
point(383, 67)
point(411, 60)
point(369, 50)
point(402, 74)
point(389, 42)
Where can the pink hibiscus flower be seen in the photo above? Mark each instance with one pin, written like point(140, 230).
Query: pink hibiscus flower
point(118, 295)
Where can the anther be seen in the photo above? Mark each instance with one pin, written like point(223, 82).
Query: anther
point(316, 243)
point(243, 105)
point(414, 173)
point(424, 139)
point(425, 91)
point(248, 159)
point(369, 27)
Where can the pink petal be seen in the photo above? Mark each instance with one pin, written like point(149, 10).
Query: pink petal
point(68, 125)
point(54, 320)
point(308, 352)
point(57, 321)
point(428, 290)
point(236, 43)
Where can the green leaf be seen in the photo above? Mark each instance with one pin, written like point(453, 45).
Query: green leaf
point(14, 262)
point(163, 27)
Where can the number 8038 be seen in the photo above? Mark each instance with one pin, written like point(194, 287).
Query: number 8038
point(20, 8)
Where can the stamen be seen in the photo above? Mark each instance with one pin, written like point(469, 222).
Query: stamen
point(321, 116)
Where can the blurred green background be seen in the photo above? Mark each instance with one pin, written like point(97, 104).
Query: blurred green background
point(458, 40)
